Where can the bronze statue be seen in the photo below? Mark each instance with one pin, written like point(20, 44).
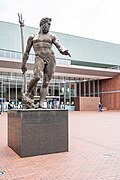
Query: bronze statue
point(44, 59)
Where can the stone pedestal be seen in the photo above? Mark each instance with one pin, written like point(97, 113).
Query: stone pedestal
point(37, 131)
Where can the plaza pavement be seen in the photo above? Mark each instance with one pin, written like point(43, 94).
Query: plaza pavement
point(94, 151)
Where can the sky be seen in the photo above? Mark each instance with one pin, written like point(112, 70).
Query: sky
point(94, 19)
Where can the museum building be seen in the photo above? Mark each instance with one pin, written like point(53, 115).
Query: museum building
point(90, 75)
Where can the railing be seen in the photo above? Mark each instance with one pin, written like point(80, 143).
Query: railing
point(13, 54)
point(18, 55)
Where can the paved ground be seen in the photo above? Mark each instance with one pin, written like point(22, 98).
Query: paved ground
point(94, 151)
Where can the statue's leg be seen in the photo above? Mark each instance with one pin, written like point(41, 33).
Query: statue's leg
point(48, 74)
point(44, 89)
point(38, 68)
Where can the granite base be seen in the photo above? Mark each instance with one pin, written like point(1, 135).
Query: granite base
point(34, 132)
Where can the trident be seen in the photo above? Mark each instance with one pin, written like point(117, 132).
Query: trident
point(21, 21)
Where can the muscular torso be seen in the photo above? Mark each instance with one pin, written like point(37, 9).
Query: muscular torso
point(42, 45)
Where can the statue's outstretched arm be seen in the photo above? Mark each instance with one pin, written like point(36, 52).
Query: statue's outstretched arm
point(60, 47)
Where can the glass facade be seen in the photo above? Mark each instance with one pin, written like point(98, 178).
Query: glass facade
point(61, 91)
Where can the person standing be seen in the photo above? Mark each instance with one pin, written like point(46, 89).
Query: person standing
point(100, 107)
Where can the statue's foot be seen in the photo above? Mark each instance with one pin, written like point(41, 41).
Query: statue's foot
point(26, 98)
point(32, 105)
point(29, 105)
point(41, 106)
point(28, 102)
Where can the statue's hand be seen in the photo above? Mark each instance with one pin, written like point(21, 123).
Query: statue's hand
point(66, 53)
point(23, 68)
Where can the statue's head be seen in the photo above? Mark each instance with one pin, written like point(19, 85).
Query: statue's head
point(45, 20)
point(45, 25)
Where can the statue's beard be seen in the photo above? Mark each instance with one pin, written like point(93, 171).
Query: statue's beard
point(45, 30)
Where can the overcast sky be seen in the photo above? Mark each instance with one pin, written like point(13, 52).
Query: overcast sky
point(95, 19)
